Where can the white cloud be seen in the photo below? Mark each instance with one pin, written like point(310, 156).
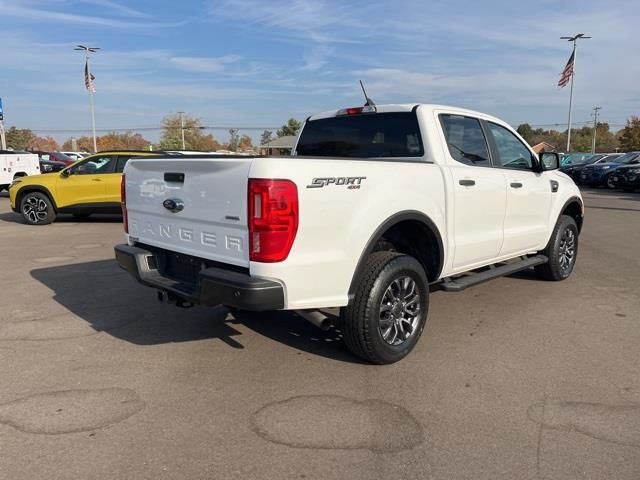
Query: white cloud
point(203, 64)
point(33, 14)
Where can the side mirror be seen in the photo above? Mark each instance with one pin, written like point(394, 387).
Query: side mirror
point(65, 172)
point(549, 161)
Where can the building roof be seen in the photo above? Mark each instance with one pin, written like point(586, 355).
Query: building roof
point(288, 141)
point(543, 146)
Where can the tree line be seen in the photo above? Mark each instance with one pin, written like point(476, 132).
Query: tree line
point(195, 138)
point(625, 140)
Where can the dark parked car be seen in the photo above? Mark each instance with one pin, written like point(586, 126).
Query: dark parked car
point(574, 169)
point(48, 166)
point(627, 177)
point(54, 157)
point(601, 173)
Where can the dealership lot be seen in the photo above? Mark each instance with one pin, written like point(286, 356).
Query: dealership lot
point(516, 378)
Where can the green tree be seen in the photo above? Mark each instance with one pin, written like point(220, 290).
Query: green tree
point(290, 128)
point(19, 138)
point(194, 137)
point(266, 137)
point(525, 132)
point(630, 135)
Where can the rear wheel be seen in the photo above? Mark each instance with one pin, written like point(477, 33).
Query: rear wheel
point(610, 183)
point(562, 251)
point(37, 208)
point(388, 313)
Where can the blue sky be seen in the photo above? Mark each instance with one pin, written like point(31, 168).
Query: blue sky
point(255, 63)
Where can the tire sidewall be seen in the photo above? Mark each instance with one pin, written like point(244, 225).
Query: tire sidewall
point(41, 196)
point(566, 223)
point(398, 267)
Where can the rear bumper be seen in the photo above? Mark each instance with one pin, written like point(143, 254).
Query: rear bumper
point(212, 286)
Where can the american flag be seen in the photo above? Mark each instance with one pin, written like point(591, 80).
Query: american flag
point(565, 76)
point(89, 78)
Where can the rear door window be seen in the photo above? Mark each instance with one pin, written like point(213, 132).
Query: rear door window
point(465, 140)
point(368, 135)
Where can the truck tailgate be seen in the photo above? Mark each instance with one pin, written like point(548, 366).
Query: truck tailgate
point(212, 222)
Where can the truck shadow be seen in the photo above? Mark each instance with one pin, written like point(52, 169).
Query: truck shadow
point(106, 297)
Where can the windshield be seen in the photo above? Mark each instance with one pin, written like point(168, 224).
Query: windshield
point(61, 157)
point(627, 157)
point(591, 160)
point(576, 158)
point(368, 135)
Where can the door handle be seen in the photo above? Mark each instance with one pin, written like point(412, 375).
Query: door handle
point(96, 179)
point(467, 182)
point(516, 185)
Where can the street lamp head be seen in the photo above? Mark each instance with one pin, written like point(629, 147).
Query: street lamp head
point(86, 49)
point(574, 37)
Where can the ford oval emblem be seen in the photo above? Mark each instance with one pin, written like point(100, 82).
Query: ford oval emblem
point(173, 204)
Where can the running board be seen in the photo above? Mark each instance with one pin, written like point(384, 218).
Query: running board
point(460, 283)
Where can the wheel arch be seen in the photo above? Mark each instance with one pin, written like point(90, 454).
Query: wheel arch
point(413, 225)
point(35, 188)
point(574, 208)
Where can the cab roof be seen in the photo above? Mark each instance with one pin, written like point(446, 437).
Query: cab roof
point(408, 107)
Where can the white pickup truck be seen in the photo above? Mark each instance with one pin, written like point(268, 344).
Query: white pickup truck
point(376, 205)
point(15, 165)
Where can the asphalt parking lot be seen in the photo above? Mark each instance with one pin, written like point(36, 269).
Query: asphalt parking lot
point(513, 379)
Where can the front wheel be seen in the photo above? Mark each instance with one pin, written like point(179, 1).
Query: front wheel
point(562, 251)
point(37, 209)
point(385, 319)
point(610, 183)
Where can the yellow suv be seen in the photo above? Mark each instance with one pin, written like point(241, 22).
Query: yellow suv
point(91, 185)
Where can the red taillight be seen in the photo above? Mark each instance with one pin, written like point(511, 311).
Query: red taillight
point(354, 111)
point(273, 219)
point(123, 204)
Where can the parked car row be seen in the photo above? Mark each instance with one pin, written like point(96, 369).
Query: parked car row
point(603, 173)
point(603, 169)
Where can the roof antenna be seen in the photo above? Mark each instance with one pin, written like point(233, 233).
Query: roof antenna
point(369, 102)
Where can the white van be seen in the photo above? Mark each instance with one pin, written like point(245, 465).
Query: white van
point(16, 164)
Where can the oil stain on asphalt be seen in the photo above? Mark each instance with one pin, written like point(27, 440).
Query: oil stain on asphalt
point(611, 423)
point(69, 411)
point(334, 422)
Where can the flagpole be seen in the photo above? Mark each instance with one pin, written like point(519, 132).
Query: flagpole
point(573, 75)
point(573, 39)
point(93, 113)
point(88, 80)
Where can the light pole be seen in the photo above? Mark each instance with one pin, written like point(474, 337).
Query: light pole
point(88, 83)
point(573, 39)
point(182, 129)
point(595, 126)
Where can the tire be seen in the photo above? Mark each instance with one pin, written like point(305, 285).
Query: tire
point(37, 208)
point(609, 183)
point(81, 216)
point(370, 324)
point(562, 251)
